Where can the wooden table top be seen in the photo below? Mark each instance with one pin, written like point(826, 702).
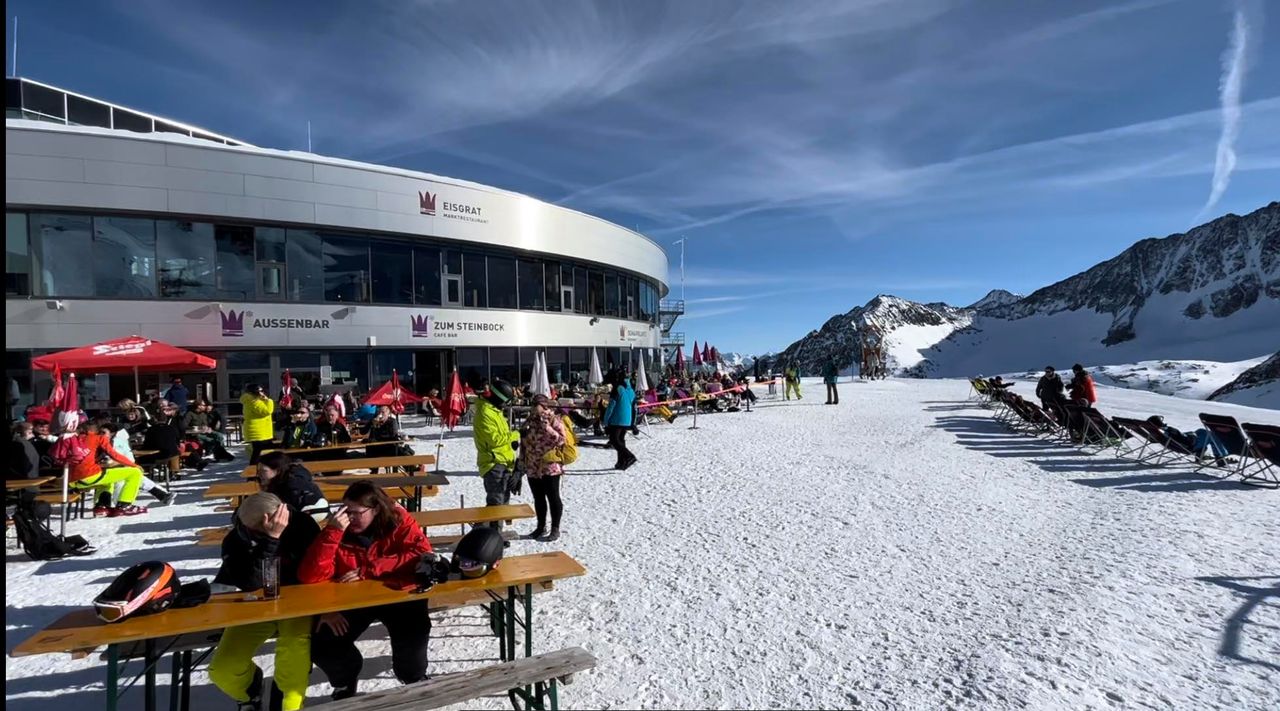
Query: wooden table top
point(479, 514)
point(12, 484)
point(359, 444)
point(81, 629)
point(228, 490)
point(322, 466)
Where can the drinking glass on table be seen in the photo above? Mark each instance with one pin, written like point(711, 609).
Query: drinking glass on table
point(271, 578)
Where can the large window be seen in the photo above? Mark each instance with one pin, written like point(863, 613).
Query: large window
point(304, 255)
point(426, 276)
point(595, 287)
point(61, 246)
point(473, 274)
point(346, 269)
point(124, 257)
point(392, 266)
point(502, 283)
point(473, 366)
point(531, 286)
point(610, 294)
point(385, 361)
point(350, 368)
point(186, 257)
point(552, 293)
point(234, 276)
point(580, 297)
point(502, 364)
point(72, 255)
point(17, 255)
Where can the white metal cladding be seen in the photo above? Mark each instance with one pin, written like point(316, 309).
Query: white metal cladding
point(32, 323)
point(50, 166)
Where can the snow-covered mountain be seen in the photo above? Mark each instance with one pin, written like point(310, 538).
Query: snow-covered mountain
point(1258, 386)
point(1212, 293)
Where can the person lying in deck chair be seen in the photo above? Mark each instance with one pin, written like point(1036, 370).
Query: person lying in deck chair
point(1198, 442)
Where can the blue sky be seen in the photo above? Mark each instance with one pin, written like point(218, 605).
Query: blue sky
point(813, 154)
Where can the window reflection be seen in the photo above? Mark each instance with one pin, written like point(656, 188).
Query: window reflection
point(124, 257)
point(346, 269)
point(502, 283)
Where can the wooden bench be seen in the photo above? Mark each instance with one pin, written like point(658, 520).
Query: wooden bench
point(397, 486)
point(541, 671)
point(418, 462)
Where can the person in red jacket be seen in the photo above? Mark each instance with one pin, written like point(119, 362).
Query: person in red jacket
point(1082, 390)
point(79, 449)
point(369, 538)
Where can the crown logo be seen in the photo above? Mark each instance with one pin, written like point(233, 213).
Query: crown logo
point(421, 326)
point(232, 322)
point(427, 203)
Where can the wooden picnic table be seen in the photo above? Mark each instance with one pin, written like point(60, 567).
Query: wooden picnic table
point(234, 489)
point(418, 462)
point(14, 484)
point(82, 630)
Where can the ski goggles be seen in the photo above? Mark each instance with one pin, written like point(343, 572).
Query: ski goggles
point(468, 568)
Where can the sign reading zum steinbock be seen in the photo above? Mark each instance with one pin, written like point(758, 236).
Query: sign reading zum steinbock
point(234, 323)
point(428, 326)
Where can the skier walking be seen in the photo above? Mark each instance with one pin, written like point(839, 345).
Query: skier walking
point(792, 377)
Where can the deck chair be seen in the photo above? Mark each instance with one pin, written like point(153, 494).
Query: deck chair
point(1163, 449)
point(1226, 430)
point(1266, 445)
point(1044, 422)
point(1096, 431)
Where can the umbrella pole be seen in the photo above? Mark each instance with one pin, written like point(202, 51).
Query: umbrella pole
point(137, 389)
point(65, 505)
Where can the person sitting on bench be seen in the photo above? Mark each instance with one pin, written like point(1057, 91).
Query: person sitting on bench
point(119, 438)
point(279, 474)
point(24, 461)
point(331, 427)
point(1198, 442)
point(384, 428)
point(300, 432)
point(79, 449)
point(264, 528)
point(369, 538)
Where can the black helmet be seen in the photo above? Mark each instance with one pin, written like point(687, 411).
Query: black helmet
point(478, 552)
point(144, 589)
point(498, 392)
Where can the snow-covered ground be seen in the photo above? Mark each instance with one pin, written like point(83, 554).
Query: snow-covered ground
point(901, 550)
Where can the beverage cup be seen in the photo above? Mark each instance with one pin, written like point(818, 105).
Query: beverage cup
point(271, 578)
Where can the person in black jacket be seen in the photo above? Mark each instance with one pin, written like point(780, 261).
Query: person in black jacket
point(1050, 389)
point(279, 474)
point(383, 428)
point(24, 461)
point(265, 531)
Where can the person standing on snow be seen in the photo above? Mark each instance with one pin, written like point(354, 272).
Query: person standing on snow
point(1082, 390)
point(829, 375)
point(495, 444)
point(618, 418)
point(1050, 389)
point(792, 377)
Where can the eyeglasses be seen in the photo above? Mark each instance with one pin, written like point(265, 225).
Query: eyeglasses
point(357, 512)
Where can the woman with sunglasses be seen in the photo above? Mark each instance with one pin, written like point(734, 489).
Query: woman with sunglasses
point(369, 538)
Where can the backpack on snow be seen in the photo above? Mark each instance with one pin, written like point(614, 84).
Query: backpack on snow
point(38, 541)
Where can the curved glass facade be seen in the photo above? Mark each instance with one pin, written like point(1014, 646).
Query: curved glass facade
point(110, 256)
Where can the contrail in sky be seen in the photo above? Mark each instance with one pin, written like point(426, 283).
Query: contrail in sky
point(1234, 62)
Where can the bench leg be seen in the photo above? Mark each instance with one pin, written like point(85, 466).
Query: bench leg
point(150, 660)
point(113, 677)
point(175, 681)
point(186, 680)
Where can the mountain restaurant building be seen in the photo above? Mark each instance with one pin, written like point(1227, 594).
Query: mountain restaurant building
point(119, 223)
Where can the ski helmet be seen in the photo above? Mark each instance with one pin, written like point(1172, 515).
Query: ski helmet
point(144, 589)
point(478, 552)
point(499, 392)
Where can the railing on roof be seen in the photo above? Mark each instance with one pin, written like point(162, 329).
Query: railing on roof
point(673, 339)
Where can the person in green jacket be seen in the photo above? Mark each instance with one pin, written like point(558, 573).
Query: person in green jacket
point(259, 431)
point(829, 374)
point(495, 444)
point(792, 377)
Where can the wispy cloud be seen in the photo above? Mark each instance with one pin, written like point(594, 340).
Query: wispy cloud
point(1234, 65)
point(694, 314)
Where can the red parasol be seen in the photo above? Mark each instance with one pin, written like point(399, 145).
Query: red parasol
point(125, 355)
point(680, 358)
point(715, 355)
point(455, 402)
point(697, 354)
point(706, 353)
point(286, 387)
point(392, 394)
point(56, 393)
